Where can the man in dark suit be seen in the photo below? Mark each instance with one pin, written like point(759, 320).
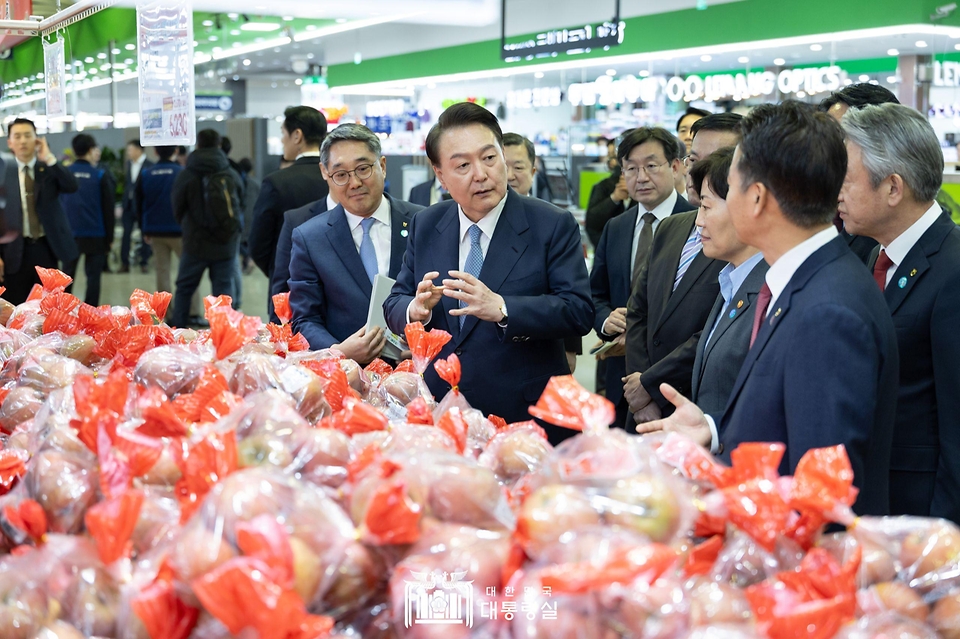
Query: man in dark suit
point(856, 96)
point(337, 254)
point(426, 193)
point(894, 172)
point(625, 244)
point(135, 162)
point(714, 132)
point(34, 218)
point(302, 132)
point(725, 339)
point(515, 283)
point(674, 284)
point(291, 220)
point(823, 366)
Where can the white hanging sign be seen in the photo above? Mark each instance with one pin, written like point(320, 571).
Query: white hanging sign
point(165, 63)
point(54, 76)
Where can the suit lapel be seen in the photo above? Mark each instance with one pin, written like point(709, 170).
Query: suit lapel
point(506, 247)
point(14, 206)
point(701, 355)
point(915, 264)
point(620, 261)
point(696, 269)
point(399, 230)
point(342, 241)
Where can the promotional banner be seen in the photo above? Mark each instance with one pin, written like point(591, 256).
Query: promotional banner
point(54, 76)
point(165, 60)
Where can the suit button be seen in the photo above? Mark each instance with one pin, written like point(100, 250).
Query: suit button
point(459, 352)
point(656, 342)
point(516, 340)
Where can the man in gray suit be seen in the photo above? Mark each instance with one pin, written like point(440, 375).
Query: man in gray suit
point(725, 339)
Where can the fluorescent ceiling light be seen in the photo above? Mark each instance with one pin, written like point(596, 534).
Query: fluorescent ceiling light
point(743, 59)
point(706, 57)
point(816, 47)
point(343, 27)
point(779, 62)
point(892, 52)
point(264, 27)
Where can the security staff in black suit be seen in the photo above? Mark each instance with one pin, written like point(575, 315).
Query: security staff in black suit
point(302, 132)
point(894, 171)
point(725, 339)
point(37, 230)
point(136, 161)
point(675, 286)
point(291, 220)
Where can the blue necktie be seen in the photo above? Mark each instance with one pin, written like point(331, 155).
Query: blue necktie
point(690, 250)
point(368, 254)
point(474, 262)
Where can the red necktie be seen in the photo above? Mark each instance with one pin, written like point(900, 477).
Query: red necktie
point(763, 301)
point(880, 269)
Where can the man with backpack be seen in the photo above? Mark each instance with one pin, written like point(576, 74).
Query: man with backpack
point(208, 205)
point(90, 212)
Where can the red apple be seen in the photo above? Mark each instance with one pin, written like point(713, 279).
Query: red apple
point(946, 617)
point(646, 504)
point(894, 596)
point(553, 510)
point(928, 550)
point(65, 485)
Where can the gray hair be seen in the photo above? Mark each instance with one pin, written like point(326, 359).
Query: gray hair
point(895, 139)
point(349, 133)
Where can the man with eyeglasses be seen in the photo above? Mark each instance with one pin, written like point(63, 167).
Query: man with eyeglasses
point(674, 285)
point(649, 159)
point(337, 253)
point(710, 134)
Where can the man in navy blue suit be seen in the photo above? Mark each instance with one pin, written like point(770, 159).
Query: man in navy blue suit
point(503, 274)
point(822, 366)
point(291, 220)
point(895, 171)
point(337, 254)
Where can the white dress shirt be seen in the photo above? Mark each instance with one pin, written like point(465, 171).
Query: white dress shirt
point(23, 193)
point(136, 166)
point(898, 249)
point(308, 154)
point(661, 212)
point(731, 279)
point(777, 278)
point(380, 233)
point(331, 203)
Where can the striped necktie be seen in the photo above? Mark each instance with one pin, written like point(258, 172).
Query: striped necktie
point(690, 250)
point(474, 263)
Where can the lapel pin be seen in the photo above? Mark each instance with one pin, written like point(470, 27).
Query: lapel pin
point(733, 313)
point(902, 283)
point(404, 233)
point(777, 314)
point(740, 304)
point(913, 272)
point(404, 225)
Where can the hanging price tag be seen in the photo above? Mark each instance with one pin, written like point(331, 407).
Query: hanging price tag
point(165, 57)
point(54, 77)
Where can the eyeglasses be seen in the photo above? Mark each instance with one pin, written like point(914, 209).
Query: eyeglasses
point(632, 171)
point(363, 172)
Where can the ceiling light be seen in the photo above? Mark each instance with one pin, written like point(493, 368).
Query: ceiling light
point(538, 74)
point(956, 47)
point(920, 44)
point(212, 38)
point(644, 74)
point(706, 58)
point(287, 18)
point(102, 56)
point(264, 27)
point(234, 32)
point(743, 59)
point(130, 47)
point(298, 81)
point(801, 94)
point(246, 62)
point(88, 60)
point(779, 62)
point(195, 44)
point(128, 61)
point(115, 51)
point(816, 47)
point(892, 79)
point(233, 16)
point(864, 77)
point(892, 52)
point(236, 78)
point(611, 72)
point(207, 23)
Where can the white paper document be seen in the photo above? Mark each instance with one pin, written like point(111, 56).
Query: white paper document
point(381, 291)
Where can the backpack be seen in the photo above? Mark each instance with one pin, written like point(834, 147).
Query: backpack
point(221, 206)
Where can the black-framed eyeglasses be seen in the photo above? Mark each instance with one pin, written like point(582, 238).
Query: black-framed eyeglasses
point(363, 172)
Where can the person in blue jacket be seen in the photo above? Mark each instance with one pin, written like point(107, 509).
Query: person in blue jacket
point(90, 213)
point(153, 200)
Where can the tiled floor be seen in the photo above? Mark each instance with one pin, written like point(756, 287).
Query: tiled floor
point(116, 289)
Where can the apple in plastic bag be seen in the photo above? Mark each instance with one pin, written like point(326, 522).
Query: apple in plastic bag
point(23, 606)
point(553, 510)
point(92, 602)
point(64, 485)
point(894, 596)
point(928, 550)
point(946, 617)
point(646, 504)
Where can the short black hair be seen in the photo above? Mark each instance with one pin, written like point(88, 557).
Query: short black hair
point(691, 111)
point(798, 153)
point(165, 152)
point(310, 122)
point(135, 143)
point(727, 122)
point(82, 143)
point(715, 168)
point(21, 121)
point(181, 150)
point(515, 139)
point(857, 96)
point(635, 137)
point(681, 147)
point(226, 145)
point(457, 116)
point(245, 165)
point(208, 139)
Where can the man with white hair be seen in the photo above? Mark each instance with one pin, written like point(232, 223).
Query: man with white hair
point(894, 171)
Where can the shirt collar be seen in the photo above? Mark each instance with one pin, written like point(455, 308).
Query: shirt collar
point(331, 203)
point(140, 161)
point(783, 269)
point(663, 210)
point(732, 277)
point(487, 224)
point(32, 163)
point(308, 154)
point(898, 249)
point(382, 214)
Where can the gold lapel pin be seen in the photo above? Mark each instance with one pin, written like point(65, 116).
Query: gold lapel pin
point(740, 304)
point(913, 272)
point(404, 223)
point(777, 314)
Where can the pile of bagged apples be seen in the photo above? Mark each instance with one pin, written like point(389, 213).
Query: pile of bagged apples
point(166, 484)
